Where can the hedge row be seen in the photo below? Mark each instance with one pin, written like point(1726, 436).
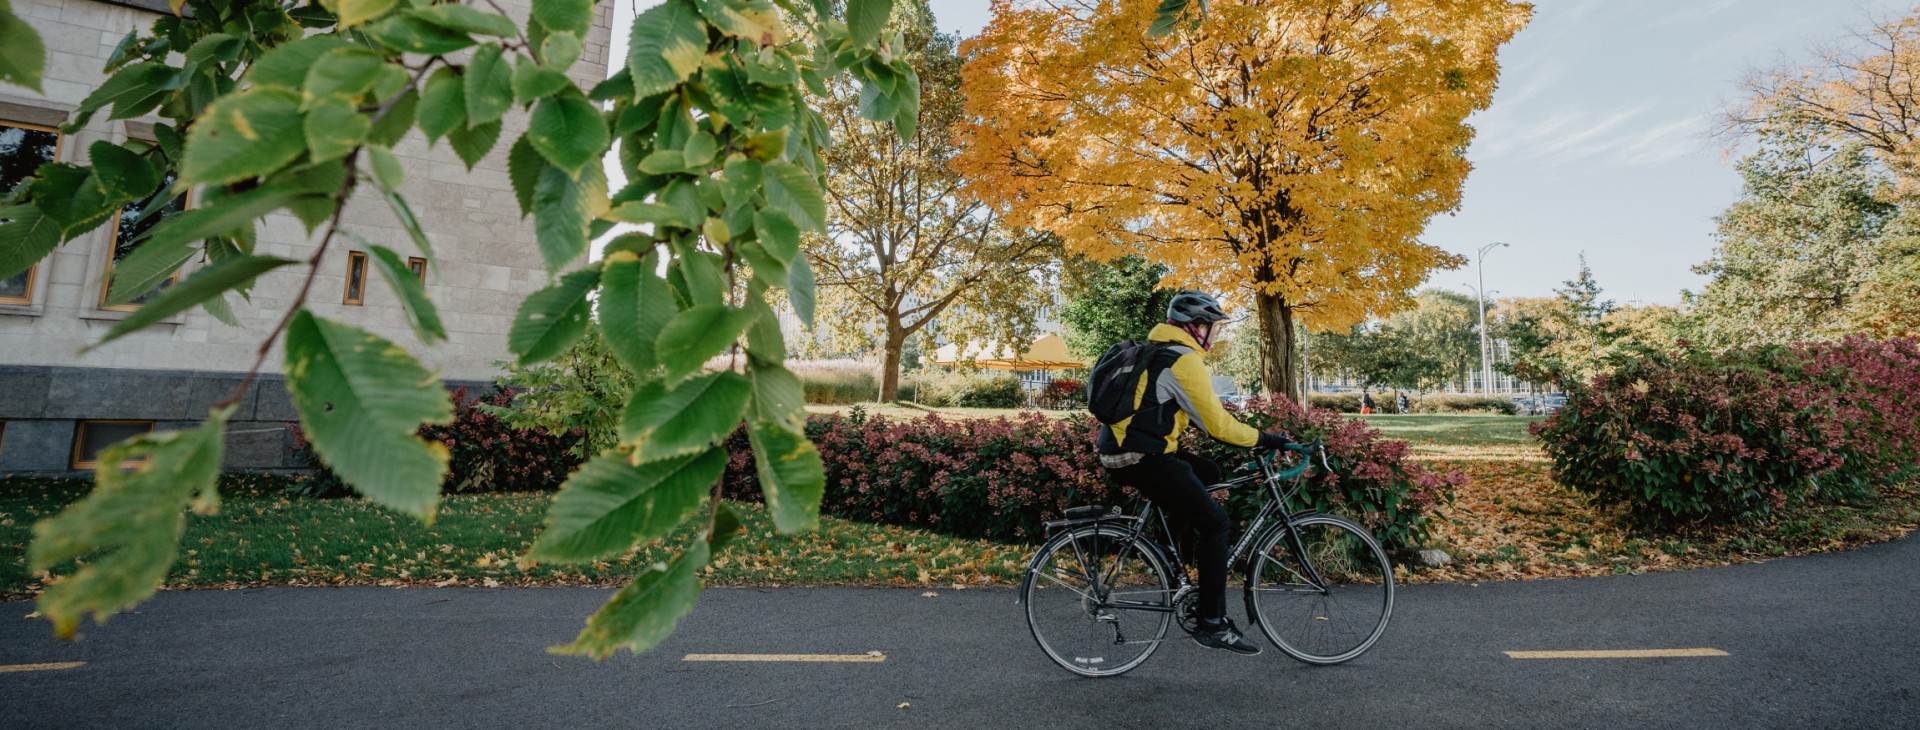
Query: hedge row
point(1430, 403)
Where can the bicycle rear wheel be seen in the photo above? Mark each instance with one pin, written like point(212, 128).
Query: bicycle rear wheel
point(1325, 599)
point(1098, 600)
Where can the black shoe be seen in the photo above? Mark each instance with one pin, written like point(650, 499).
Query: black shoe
point(1221, 634)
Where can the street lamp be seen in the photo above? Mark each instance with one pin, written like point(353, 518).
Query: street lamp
point(1486, 365)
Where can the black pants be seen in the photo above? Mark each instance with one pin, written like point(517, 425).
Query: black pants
point(1177, 483)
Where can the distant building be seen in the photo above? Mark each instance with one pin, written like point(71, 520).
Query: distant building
point(58, 406)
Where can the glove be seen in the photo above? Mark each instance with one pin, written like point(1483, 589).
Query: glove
point(1272, 440)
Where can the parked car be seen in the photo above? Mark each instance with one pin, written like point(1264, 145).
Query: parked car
point(1540, 405)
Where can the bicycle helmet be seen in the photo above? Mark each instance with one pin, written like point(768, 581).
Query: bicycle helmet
point(1194, 307)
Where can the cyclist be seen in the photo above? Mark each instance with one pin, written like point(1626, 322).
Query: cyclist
point(1143, 452)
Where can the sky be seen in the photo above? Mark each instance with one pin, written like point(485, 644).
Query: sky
point(1598, 140)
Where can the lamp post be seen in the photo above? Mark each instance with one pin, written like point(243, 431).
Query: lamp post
point(1486, 365)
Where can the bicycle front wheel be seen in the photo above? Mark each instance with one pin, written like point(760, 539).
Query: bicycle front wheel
point(1098, 600)
point(1321, 589)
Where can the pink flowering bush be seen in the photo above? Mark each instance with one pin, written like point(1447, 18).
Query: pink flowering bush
point(1699, 437)
point(1003, 478)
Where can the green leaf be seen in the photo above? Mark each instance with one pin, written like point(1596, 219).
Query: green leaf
point(560, 50)
point(553, 318)
point(659, 214)
point(662, 422)
point(532, 81)
point(726, 524)
point(643, 613)
point(473, 143)
point(563, 209)
point(361, 399)
point(701, 271)
point(334, 127)
point(668, 43)
point(128, 528)
point(443, 105)
point(389, 128)
point(791, 475)
point(22, 55)
point(865, 18)
point(1167, 15)
point(765, 343)
point(404, 213)
point(697, 334)
point(71, 196)
point(357, 12)
point(617, 86)
point(421, 313)
point(244, 135)
point(343, 72)
point(755, 21)
point(414, 34)
point(212, 48)
point(206, 284)
point(907, 121)
point(794, 191)
point(662, 162)
point(777, 233)
point(25, 238)
point(524, 165)
point(489, 87)
point(169, 244)
point(610, 505)
point(287, 65)
point(565, 16)
point(634, 305)
point(569, 132)
point(132, 91)
point(388, 173)
point(800, 290)
point(123, 174)
point(454, 16)
point(778, 396)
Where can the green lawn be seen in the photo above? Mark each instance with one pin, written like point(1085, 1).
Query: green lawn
point(914, 410)
point(1439, 429)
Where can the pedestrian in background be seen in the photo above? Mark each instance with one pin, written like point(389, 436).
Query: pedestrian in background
point(1366, 403)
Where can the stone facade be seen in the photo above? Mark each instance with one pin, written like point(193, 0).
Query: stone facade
point(486, 263)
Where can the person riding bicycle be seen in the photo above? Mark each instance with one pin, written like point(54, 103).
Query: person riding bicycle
point(1143, 452)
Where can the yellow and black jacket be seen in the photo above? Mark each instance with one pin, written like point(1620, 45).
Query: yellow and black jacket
point(1174, 391)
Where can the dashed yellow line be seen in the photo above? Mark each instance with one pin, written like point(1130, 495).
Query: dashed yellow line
point(1615, 653)
point(4, 668)
point(873, 656)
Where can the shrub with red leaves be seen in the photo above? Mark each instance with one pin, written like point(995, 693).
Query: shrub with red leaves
point(1699, 437)
point(487, 454)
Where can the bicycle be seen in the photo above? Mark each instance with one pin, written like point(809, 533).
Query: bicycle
point(1319, 586)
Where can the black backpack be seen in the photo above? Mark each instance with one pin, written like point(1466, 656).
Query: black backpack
point(1116, 375)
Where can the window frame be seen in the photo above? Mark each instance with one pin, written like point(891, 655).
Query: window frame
point(113, 237)
point(359, 259)
point(80, 439)
point(33, 272)
point(418, 266)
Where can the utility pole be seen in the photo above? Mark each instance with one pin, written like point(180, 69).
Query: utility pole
point(1486, 365)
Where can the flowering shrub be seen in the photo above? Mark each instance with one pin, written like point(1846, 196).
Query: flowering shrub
point(1002, 478)
point(487, 454)
point(1699, 437)
point(1064, 393)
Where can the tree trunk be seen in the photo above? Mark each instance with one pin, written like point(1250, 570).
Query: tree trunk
point(890, 368)
point(1278, 363)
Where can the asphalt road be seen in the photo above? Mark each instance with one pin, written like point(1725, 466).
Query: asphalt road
point(1816, 642)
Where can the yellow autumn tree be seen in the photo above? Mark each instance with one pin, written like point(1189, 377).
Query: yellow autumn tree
point(1291, 151)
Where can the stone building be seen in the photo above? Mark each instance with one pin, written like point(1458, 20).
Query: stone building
point(59, 404)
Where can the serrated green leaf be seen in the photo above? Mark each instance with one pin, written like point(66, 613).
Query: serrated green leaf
point(71, 196)
point(726, 525)
point(569, 132)
point(128, 528)
point(489, 86)
point(357, 12)
point(244, 135)
point(169, 244)
point(532, 82)
point(210, 282)
point(22, 56)
point(800, 290)
point(667, 45)
point(404, 213)
point(524, 165)
point(343, 72)
point(286, 66)
point(617, 86)
point(865, 18)
point(553, 318)
point(663, 422)
point(26, 236)
point(388, 173)
point(907, 120)
point(122, 174)
point(361, 399)
point(658, 214)
point(397, 121)
point(634, 305)
point(643, 613)
point(610, 505)
point(755, 21)
point(794, 191)
point(334, 127)
point(563, 210)
point(212, 48)
point(443, 104)
point(454, 16)
point(413, 34)
point(565, 16)
point(703, 273)
point(421, 313)
point(131, 91)
point(697, 334)
point(473, 143)
point(878, 103)
point(778, 396)
point(777, 233)
point(560, 50)
point(791, 475)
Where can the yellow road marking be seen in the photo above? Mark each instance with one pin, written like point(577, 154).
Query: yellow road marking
point(868, 657)
point(4, 668)
point(1615, 653)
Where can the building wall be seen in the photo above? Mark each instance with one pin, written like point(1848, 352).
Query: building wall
point(487, 261)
